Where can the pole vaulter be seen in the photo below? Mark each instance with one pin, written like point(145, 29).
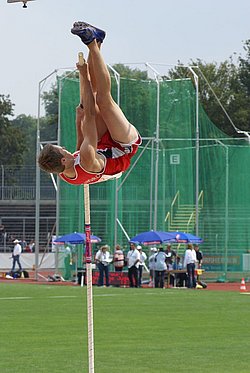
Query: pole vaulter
point(106, 141)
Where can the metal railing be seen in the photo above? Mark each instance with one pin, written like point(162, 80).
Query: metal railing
point(167, 219)
point(174, 207)
point(192, 218)
point(23, 228)
point(201, 199)
point(25, 193)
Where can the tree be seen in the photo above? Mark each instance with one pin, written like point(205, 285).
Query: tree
point(231, 84)
point(49, 123)
point(244, 68)
point(13, 141)
point(50, 100)
point(27, 126)
point(244, 77)
point(127, 72)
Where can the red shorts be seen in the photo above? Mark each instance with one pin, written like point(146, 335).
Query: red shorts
point(118, 155)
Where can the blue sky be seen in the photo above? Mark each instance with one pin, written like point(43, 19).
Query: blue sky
point(37, 40)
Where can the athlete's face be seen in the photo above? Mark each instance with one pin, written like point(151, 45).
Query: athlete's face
point(64, 152)
point(68, 158)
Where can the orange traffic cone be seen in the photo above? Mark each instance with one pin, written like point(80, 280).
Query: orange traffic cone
point(243, 286)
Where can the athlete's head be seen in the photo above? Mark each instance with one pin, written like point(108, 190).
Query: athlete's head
point(54, 159)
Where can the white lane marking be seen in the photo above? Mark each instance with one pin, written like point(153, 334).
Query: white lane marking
point(95, 295)
point(15, 298)
point(105, 295)
point(114, 295)
point(53, 296)
point(62, 296)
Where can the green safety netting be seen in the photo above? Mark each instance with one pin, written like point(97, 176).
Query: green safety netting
point(161, 187)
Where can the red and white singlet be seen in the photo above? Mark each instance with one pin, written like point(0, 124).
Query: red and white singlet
point(117, 159)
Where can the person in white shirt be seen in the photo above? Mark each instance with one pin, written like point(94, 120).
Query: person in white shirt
point(133, 259)
point(143, 258)
point(151, 265)
point(103, 259)
point(160, 268)
point(16, 255)
point(189, 263)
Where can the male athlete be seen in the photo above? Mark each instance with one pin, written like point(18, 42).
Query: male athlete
point(106, 141)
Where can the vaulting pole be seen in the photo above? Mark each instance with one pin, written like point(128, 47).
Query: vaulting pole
point(88, 255)
point(89, 279)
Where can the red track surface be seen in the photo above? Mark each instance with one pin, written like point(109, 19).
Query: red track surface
point(228, 286)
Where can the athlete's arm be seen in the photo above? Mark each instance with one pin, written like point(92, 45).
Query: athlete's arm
point(89, 159)
point(79, 118)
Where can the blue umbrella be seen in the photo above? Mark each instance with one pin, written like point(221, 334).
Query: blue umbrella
point(76, 238)
point(182, 237)
point(151, 238)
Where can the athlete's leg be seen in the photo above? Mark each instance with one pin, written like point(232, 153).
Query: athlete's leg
point(88, 126)
point(92, 71)
point(118, 125)
point(100, 124)
point(80, 111)
point(89, 159)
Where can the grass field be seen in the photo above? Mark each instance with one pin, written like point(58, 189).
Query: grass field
point(43, 329)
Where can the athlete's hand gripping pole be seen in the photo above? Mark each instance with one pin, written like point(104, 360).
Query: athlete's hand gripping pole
point(81, 61)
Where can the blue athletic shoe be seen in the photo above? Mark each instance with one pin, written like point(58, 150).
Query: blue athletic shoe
point(87, 32)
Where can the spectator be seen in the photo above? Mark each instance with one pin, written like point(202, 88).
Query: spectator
point(2, 233)
point(16, 255)
point(151, 264)
point(23, 244)
point(103, 260)
point(199, 256)
point(32, 246)
point(143, 258)
point(67, 262)
point(179, 277)
point(133, 259)
point(160, 268)
point(27, 249)
point(189, 263)
point(171, 255)
point(118, 259)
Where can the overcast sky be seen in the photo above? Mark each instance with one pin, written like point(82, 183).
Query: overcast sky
point(37, 40)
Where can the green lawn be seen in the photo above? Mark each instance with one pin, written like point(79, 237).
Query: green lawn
point(136, 330)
